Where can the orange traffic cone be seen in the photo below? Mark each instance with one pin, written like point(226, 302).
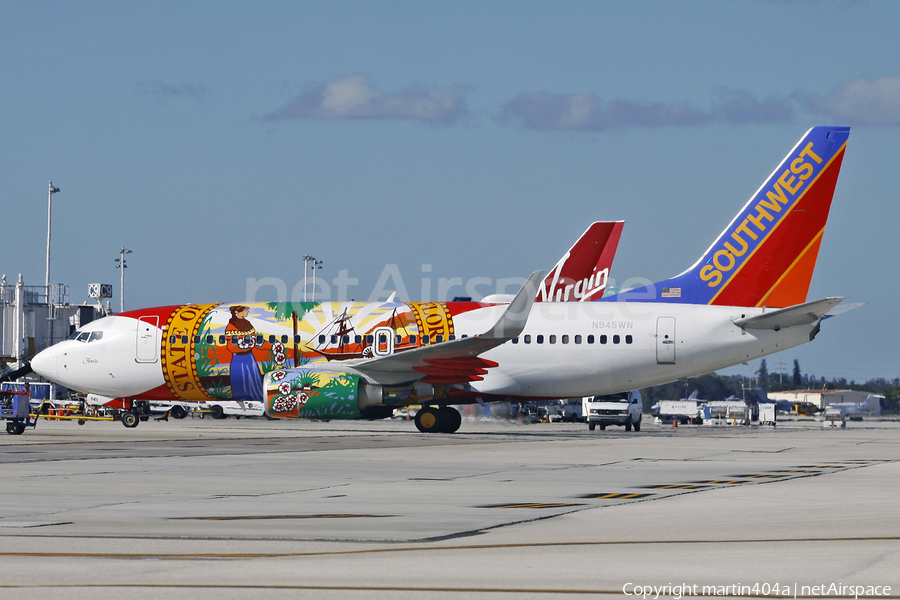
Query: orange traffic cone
point(674, 422)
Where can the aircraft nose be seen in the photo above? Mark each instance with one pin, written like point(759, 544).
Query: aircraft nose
point(45, 363)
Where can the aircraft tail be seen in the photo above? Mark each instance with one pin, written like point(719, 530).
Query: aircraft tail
point(583, 272)
point(766, 255)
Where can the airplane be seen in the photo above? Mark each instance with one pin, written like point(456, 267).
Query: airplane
point(745, 298)
point(870, 407)
point(580, 275)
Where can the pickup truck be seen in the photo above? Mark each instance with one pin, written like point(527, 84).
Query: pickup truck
point(622, 409)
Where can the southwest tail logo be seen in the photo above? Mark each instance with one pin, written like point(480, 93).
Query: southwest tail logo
point(767, 254)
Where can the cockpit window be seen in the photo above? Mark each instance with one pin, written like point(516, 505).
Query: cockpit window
point(96, 335)
point(74, 335)
point(84, 336)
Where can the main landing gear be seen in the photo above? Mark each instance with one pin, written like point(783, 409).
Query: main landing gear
point(139, 411)
point(432, 419)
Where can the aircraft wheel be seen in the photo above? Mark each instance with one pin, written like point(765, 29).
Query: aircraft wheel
point(628, 425)
point(591, 426)
point(217, 413)
point(429, 420)
point(130, 419)
point(177, 411)
point(452, 419)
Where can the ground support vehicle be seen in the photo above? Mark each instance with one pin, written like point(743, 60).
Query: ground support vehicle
point(622, 409)
point(15, 409)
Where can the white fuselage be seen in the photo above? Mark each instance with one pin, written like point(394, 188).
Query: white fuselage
point(561, 352)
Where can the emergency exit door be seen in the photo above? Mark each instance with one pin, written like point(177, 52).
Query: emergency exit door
point(665, 340)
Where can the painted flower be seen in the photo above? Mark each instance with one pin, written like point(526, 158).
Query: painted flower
point(284, 404)
point(278, 348)
point(302, 397)
point(279, 358)
point(285, 388)
point(278, 375)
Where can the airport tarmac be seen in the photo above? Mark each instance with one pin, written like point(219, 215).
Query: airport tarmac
point(200, 508)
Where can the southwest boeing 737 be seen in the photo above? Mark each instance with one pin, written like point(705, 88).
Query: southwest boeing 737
point(745, 298)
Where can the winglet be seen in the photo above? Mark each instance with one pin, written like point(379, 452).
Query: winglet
point(512, 322)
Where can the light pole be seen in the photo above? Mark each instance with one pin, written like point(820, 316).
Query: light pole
point(120, 264)
point(317, 264)
point(51, 309)
point(53, 190)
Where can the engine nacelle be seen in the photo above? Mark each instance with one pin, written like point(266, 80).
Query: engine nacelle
point(315, 392)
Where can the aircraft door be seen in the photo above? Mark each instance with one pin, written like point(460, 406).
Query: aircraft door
point(148, 339)
point(665, 340)
point(384, 341)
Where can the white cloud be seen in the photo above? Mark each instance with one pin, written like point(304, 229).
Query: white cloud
point(860, 102)
point(353, 98)
point(589, 112)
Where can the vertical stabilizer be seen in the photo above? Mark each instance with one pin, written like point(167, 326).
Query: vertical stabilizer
point(766, 255)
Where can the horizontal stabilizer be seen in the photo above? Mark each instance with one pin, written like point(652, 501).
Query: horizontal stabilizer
point(842, 309)
point(801, 314)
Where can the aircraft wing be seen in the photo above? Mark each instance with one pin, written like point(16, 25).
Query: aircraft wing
point(800, 314)
point(457, 361)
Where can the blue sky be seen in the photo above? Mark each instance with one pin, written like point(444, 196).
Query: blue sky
point(223, 141)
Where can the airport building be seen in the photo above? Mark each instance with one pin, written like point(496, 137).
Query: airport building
point(34, 317)
point(821, 398)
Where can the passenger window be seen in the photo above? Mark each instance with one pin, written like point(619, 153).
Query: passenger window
point(412, 339)
point(321, 339)
point(184, 339)
point(540, 339)
point(196, 339)
point(334, 339)
point(209, 339)
point(452, 337)
point(552, 339)
point(296, 339)
point(464, 336)
point(370, 340)
point(438, 338)
point(577, 339)
point(234, 339)
point(271, 339)
point(284, 339)
point(515, 340)
point(628, 339)
point(221, 339)
point(357, 339)
point(259, 340)
point(426, 339)
point(565, 339)
point(171, 339)
point(528, 338)
point(616, 339)
point(590, 339)
point(345, 339)
point(603, 339)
